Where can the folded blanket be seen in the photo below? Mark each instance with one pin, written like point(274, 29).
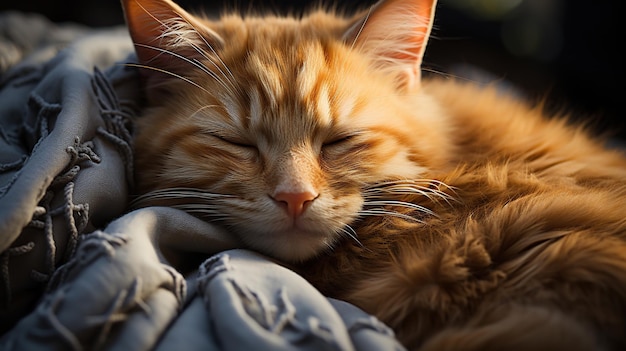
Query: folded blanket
point(63, 150)
point(78, 272)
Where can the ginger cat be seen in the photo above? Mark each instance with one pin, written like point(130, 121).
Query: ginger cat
point(462, 218)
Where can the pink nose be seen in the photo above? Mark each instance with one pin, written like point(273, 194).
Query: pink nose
point(295, 203)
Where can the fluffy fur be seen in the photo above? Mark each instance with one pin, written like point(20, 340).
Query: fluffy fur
point(462, 218)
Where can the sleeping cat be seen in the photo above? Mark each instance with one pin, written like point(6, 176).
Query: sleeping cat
point(460, 217)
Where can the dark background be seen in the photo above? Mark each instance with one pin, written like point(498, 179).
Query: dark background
point(564, 51)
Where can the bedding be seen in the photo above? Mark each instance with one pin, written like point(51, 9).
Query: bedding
point(79, 272)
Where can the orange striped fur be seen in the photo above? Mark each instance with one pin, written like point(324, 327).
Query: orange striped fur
point(462, 218)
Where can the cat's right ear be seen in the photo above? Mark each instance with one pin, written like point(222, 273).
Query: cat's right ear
point(167, 39)
point(394, 34)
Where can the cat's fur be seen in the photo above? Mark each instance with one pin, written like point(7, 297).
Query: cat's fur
point(462, 218)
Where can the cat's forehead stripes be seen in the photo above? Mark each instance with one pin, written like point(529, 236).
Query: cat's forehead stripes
point(346, 106)
point(313, 84)
point(269, 76)
point(291, 80)
point(256, 107)
point(231, 106)
point(323, 105)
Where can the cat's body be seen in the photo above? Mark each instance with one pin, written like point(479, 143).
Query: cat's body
point(481, 224)
point(529, 255)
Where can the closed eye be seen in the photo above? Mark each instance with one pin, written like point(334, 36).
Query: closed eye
point(235, 141)
point(337, 140)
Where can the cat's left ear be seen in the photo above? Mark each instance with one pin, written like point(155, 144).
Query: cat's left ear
point(167, 39)
point(394, 33)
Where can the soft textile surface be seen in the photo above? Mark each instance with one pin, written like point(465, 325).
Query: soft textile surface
point(77, 271)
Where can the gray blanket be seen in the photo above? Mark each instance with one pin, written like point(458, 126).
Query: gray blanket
point(77, 271)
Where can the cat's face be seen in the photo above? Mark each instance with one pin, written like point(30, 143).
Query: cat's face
point(278, 129)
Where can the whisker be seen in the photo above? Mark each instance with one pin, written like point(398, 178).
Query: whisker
point(358, 34)
point(169, 27)
point(416, 182)
point(351, 233)
point(400, 204)
point(177, 193)
point(187, 191)
point(203, 53)
point(383, 212)
point(196, 207)
point(220, 60)
point(167, 72)
point(202, 109)
point(193, 62)
point(227, 83)
point(408, 190)
point(405, 187)
point(199, 211)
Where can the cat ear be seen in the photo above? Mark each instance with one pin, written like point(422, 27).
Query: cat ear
point(167, 39)
point(395, 33)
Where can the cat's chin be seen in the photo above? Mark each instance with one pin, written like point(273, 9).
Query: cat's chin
point(292, 246)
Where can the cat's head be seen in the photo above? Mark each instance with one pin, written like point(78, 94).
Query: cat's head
point(280, 129)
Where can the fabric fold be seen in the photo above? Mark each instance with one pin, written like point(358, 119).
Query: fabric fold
point(64, 149)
